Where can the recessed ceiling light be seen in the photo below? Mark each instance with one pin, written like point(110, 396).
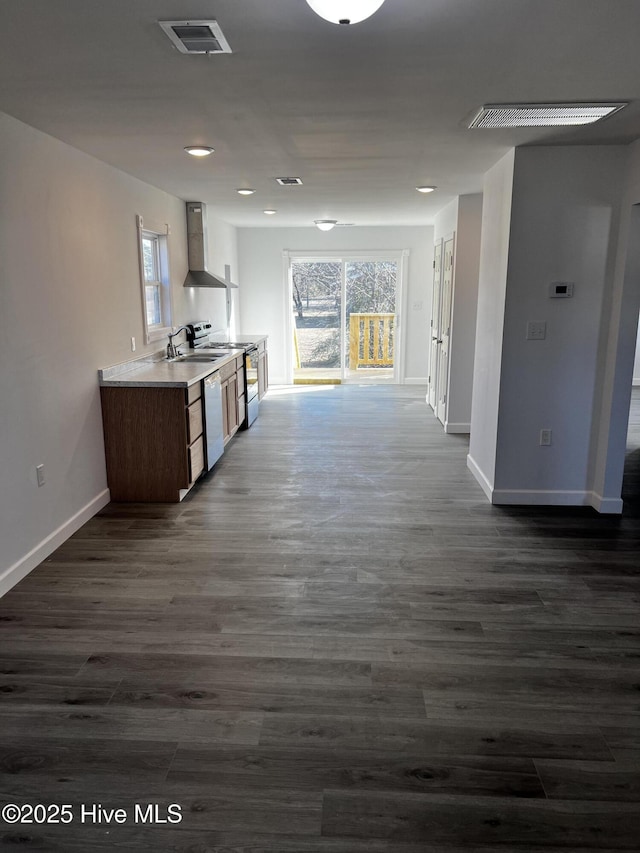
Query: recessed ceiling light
point(199, 150)
point(325, 224)
point(542, 115)
point(426, 189)
point(270, 211)
point(245, 191)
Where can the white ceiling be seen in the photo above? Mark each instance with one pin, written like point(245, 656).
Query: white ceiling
point(362, 114)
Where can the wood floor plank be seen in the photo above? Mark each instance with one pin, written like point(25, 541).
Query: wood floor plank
point(298, 698)
point(438, 737)
point(590, 780)
point(225, 669)
point(497, 823)
point(123, 723)
point(350, 769)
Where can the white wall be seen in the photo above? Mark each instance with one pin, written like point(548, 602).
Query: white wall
point(445, 222)
point(70, 301)
point(492, 287)
point(263, 295)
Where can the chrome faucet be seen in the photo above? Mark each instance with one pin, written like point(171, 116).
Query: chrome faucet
point(172, 349)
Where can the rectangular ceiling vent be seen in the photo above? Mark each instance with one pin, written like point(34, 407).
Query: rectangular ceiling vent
point(289, 182)
point(196, 36)
point(542, 115)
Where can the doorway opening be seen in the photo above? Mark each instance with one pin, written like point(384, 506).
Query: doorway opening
point(345, 325)
point(619, 451)
point(631, 477)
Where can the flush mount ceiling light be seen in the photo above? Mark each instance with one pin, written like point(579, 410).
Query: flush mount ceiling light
point(345, 11)
point(270, 211)
point(325, 224)
point(245, 191)
point(199, 150)
point(426, 189)
point(542, 115)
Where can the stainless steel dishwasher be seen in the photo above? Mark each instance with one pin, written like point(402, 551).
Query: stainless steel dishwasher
point(214, 431)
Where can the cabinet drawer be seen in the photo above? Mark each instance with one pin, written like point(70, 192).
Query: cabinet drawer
point(196, 459)
point(194, 421)
point(228, 370)
point(239, 362)
point(194, 392)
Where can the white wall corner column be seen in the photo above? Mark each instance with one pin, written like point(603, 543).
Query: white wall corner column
point(564, 205)
point(620, 335)
point(492, 287)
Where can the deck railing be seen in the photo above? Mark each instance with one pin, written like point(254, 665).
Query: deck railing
point(371, 340)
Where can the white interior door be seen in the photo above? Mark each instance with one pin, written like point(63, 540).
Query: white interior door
point(435, 325)
point(445, 330)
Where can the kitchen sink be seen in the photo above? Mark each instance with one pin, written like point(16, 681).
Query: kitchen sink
point(203, 358)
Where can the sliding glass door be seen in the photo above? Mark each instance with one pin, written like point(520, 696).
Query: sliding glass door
point(344, 319)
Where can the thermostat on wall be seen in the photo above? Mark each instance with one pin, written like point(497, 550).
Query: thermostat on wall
point(561, 289)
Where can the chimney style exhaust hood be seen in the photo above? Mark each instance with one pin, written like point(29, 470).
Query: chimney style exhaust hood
point(198, 275)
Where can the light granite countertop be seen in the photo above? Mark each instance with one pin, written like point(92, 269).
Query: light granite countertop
point(155, 369)
point(152, 371)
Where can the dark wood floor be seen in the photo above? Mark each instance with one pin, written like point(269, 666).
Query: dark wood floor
point(334, 645)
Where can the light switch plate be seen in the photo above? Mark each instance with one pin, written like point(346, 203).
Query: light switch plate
point(536, 331)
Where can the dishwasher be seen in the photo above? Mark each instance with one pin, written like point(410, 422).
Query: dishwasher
point(213, 426)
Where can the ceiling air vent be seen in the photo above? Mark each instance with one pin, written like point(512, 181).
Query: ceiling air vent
point(196, 36)
point(289, 182)
point(542, 115)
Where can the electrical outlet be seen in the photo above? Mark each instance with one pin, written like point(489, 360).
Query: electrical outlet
point(536, 331)
point(545, 437)
point(417, 306)
point(133, 344)
point(40, 475)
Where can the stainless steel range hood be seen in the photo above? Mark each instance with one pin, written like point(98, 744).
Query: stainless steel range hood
point(198, 275)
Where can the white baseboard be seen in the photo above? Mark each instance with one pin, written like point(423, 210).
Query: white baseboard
point(415, 380)
point(452, 428)
point(11, 576)
point(477, 472)
point(507, 497)
point(636, 382)
point(607, 506)
point(540, 497)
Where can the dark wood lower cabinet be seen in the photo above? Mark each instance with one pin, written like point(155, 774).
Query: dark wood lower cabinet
point(154, 436)
point(153, 442)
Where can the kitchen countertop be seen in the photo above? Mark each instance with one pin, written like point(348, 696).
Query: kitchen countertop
point(155, 370)
point(147, 372)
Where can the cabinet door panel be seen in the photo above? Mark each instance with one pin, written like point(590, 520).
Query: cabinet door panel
point(194, 421)
point(232, 403)
point(225, 410)
point(196, 459)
